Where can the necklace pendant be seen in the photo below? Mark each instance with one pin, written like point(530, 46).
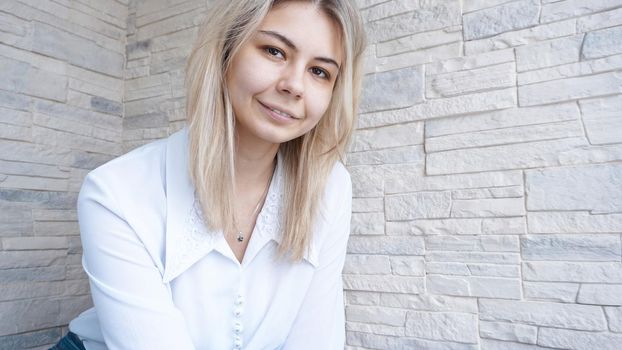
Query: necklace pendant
point(240, 237)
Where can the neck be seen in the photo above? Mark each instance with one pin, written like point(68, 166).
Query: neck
point(254, 165)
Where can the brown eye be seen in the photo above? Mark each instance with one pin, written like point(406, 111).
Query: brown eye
point(320, 73)
point(273, 51)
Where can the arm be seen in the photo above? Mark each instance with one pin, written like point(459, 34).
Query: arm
point(320, 323)
point(134, 307)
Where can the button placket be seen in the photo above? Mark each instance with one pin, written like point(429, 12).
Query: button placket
point(238, 309)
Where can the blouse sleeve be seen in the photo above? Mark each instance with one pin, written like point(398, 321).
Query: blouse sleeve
point(320, 323)
point(133, 305)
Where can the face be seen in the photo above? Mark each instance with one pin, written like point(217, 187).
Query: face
point(281, 81)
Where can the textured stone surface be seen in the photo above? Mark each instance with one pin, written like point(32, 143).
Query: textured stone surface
point(570, 316)
point(570, 89)
point(484, 164)
point(569, 339)
point(448, 326)
point(502, 18)
point(394, 89)
point(508, 331)
point(549, 53)
point(593, 187)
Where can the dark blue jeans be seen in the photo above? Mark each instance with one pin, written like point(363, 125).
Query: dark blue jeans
point(69, 342)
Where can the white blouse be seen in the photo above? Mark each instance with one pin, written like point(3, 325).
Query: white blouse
point(160, 280)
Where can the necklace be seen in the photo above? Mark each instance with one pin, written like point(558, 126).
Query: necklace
point(262, 198)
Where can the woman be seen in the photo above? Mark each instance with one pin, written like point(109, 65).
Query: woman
point(232, 232)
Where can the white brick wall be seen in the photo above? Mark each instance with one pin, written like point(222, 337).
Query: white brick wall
point(487, 167)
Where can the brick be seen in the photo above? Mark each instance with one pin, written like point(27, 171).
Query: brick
point(614, 318)
point(496, 192)
point(392, 245)
point(435, 227)
point(30, 339)
point(594, 188)
point(45, 274)
point(362, 298)
point(492, 344)
point(549, 53)
point(417, 41)
point(428, 302)
point(390, 284)
point(375, 328)
point(418, 205)
point(407, 266)
point(573, 8)
point(471, 243)
point(389, 342)
point(28, 315)
point(398, 155)
point(454, 106)
point(402, 182)
point(551, 291)
point(571, 247)
point(500, 226)
point(367, 181)
point(521, 37)
point(468, 81)
point(486, 287)
point(488, 207)
point(76, 50)
point(492, 270)
point(571, 316)
point(508, 332)
point(575, 340)
point(473, 257)
point(469, 62)
point(407, 134)
point(367, 224)
point(367, 205)
point(573, 222)
point(570, 89)
point(586, 272)
point(502, 18)
point(503, 157)
point(600, 294)
point(413, 58)
point(602, 119)
point(429, 16)
point(367, 264)
point(447, 269)
point(602, 43)
point(394, 89)
point(600, 20)
point(34, 243)
point(445, 326)
point(380, 315)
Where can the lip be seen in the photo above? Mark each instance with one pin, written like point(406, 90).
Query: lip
point(269, 109)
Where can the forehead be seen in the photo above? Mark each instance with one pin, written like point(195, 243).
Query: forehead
point(307, 26)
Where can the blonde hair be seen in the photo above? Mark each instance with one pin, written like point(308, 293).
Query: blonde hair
point(307, 160)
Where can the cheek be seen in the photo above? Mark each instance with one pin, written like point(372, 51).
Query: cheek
point(319, 103)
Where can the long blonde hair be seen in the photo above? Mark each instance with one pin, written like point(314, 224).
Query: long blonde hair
point(307, 159)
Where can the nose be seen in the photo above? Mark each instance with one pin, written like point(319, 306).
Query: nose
point(292, 82)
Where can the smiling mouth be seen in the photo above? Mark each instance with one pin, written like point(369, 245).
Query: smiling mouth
point(279, 112)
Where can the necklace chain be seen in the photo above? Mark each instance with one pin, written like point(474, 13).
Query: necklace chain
point(262, 198)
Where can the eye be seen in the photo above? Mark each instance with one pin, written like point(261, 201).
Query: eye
point(320, 73)
point(273, 51)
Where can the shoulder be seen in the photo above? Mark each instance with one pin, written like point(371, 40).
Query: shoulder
point(134, 176)
point(146, 160)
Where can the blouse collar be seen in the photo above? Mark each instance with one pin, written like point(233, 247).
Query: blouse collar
point(187, 237)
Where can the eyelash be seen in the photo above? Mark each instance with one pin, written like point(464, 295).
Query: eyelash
point(273, 51)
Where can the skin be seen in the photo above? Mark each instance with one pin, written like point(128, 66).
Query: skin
point(290, 64)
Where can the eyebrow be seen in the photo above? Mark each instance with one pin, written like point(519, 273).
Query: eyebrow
point(291, 45)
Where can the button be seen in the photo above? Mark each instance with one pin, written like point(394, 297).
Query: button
point(237, 327)
point(237, 342)
point(239, 300)
point(237, 311)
